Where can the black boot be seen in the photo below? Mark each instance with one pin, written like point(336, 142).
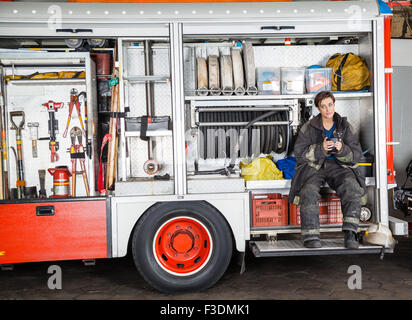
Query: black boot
point(314, 243)
point(351, 240)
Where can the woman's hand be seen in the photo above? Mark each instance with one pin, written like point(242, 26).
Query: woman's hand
point(338, 145)
point(327, 145)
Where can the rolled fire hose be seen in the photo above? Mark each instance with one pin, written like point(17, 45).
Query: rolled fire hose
point(201, 77)
point(238, 77)
point(214, 76)
point(250, 72)
point(226, 73)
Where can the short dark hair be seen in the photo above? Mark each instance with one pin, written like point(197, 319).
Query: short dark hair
point(323, 95)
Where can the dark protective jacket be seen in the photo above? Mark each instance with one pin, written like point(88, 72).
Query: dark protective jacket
point(310, 154)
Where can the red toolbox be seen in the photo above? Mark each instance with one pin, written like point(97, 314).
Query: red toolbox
point(269, 210)
point(48, 230)
point(330, 211)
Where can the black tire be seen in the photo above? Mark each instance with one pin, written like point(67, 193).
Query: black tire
point(218, 258)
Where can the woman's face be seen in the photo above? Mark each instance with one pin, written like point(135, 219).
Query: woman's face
point(327, 108)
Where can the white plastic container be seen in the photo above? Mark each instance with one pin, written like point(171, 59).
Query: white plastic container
point(293, 80)
point(268, 80)
point(318, 79)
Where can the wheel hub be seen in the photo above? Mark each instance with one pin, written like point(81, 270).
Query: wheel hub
point(182, 241)
point(182, 246)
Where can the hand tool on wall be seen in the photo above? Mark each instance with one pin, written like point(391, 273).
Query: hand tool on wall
point(86, 125)
point(52, 107)
point(34, 136)
point(5, 175)
point(42, 179)
point(74, 102)
point(20, 172)
point(112, 146)
point(1, 162)
point(77, 152)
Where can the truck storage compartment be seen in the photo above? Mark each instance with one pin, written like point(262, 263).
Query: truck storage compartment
point(49, 117)
point(145, 158)
point(48, 230)
point(225, 127)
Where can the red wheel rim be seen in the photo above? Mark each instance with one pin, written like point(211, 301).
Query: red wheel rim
point(182, 246)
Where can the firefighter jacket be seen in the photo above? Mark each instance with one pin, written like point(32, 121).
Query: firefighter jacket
point(310, 155)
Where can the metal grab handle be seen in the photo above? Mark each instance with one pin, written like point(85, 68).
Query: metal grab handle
point(42, 211)
point(277, 27)
point(74, 30)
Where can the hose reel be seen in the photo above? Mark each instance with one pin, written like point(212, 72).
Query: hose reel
point(272, 134)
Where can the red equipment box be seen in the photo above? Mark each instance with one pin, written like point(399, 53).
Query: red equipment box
point(54, 229)
point(269, 210)
point(330, 211)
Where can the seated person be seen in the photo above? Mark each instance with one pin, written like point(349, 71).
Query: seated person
point(321, 159)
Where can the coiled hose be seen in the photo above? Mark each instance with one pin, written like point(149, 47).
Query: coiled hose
point(274, 138)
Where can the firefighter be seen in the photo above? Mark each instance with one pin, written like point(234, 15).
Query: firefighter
point(327, 150)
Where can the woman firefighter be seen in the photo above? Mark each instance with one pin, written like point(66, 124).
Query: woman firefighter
point(327, 150)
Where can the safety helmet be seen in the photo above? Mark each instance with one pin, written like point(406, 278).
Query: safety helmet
point(379, 234)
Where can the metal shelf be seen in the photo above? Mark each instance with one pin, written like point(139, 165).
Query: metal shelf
point(297, 228)
point(338, 95)
point(295, 248)
point(285, 184)
point(48, 82)
point(154, 133)
point(143, 79)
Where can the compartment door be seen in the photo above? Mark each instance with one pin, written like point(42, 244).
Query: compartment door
point(54, 230)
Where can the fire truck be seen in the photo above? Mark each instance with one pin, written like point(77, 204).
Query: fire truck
point(173, 104)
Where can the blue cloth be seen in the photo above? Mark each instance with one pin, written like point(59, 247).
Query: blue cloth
point(384, 8)
point(329, 134)
point(287, 166)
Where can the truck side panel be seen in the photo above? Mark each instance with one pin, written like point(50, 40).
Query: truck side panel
point(128, 210)
point(53, 230)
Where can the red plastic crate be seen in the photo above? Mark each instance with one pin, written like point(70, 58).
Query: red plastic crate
point(269, 210)
point(330, 211)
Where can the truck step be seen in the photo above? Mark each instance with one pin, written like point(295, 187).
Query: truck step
point(281, 248)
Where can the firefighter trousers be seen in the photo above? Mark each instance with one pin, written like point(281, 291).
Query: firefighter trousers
point(344, 182)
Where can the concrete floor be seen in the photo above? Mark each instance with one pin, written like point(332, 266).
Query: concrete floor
point(314, 277)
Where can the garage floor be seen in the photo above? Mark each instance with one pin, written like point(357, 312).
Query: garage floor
point(314, 277)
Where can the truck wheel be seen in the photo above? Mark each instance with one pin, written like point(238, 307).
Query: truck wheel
point(182, 246)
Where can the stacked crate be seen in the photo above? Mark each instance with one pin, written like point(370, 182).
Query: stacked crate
point(330, 211)
point(273, 209)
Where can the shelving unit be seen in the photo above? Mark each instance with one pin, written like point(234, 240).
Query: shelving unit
point(44, 82)
point(338, 95)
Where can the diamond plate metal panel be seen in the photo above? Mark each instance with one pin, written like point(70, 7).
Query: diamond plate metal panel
point(298, 56)
point(134, 61)
point(135, 94)
point(163, 154)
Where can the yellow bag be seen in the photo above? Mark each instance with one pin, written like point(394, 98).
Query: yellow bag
point(350, 72)
point(260, 169)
